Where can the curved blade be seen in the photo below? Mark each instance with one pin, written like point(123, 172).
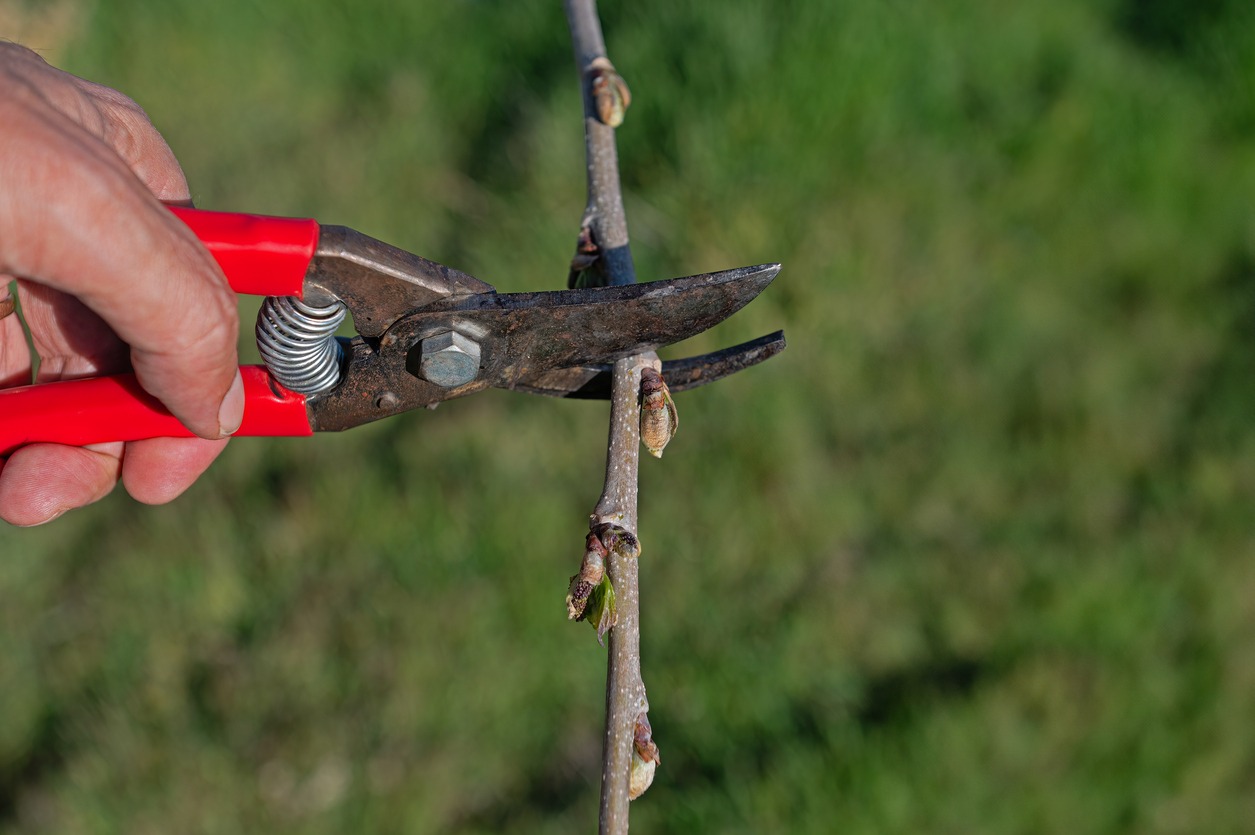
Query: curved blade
point(520, 336)
point(592, 382)
point(523, 335)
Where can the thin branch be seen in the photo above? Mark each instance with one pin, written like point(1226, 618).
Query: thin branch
point(603, 257)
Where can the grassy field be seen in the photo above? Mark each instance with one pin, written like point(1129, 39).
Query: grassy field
point(976, 554)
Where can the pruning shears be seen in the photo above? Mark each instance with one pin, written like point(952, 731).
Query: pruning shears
point(426, 333)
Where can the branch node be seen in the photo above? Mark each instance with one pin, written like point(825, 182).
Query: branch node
point(645, 757)
point(659, 419)
point(587, 254)
point(592, 572)
point(609, 91)
point(617, 539)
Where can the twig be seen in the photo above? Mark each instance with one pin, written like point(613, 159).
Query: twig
point(603, 257)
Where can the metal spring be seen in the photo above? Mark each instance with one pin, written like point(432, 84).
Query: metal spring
point(297, 342)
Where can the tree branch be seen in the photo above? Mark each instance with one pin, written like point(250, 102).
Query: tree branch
point(603, 257)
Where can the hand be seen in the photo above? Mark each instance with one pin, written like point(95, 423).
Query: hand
point(108, 280)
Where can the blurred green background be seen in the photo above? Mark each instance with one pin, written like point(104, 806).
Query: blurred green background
point(976, 554)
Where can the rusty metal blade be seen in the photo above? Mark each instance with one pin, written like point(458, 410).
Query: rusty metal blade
point(521, 336)
point(592, 382)
point(525, 334)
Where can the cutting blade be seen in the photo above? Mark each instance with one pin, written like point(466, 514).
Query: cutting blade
point(592, 382)
point(522, 335)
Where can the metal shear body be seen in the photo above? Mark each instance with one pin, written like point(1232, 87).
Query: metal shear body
point(425, 333)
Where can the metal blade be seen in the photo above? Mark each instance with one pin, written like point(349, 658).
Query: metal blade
point(592, 382)
point(525, 334)
point(520, 336)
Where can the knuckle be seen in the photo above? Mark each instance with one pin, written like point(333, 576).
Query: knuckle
point(125, 127)
point(15, 58)
point(119, 103)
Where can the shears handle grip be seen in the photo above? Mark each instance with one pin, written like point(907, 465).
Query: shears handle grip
point(261, 256)
point(102, 409)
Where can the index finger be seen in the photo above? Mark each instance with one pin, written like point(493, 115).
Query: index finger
point(75, 217)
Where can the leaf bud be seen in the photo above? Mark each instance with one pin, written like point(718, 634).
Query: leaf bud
point(659, 419)
point(610, 92)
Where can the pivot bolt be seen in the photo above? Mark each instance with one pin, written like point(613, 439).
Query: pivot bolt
point(449, 359)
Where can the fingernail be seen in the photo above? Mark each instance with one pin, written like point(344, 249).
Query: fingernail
point(231, 413)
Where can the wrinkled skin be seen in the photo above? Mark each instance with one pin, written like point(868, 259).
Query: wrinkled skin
point(109, 280)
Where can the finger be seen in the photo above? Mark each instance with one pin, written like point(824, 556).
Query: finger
point(159, 470)
point(70, 340)
point(8, 304)
point(40, 482)
point(128, 130)
point(15, 358)
point(113, 117)
point(76, 218)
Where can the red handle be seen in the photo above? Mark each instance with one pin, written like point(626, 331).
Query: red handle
point(102, 409)
point(261, 256)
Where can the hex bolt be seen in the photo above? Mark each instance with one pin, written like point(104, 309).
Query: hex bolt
point(449, 359)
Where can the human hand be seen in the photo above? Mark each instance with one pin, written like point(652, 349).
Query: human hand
point(108, 279)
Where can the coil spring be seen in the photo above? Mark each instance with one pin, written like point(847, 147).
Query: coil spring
point(297, 342)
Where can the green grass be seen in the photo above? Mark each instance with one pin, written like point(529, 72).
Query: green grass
point(976, 554)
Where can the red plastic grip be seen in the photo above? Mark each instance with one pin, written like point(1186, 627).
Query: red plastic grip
point(261, 256)
point(103, 409)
